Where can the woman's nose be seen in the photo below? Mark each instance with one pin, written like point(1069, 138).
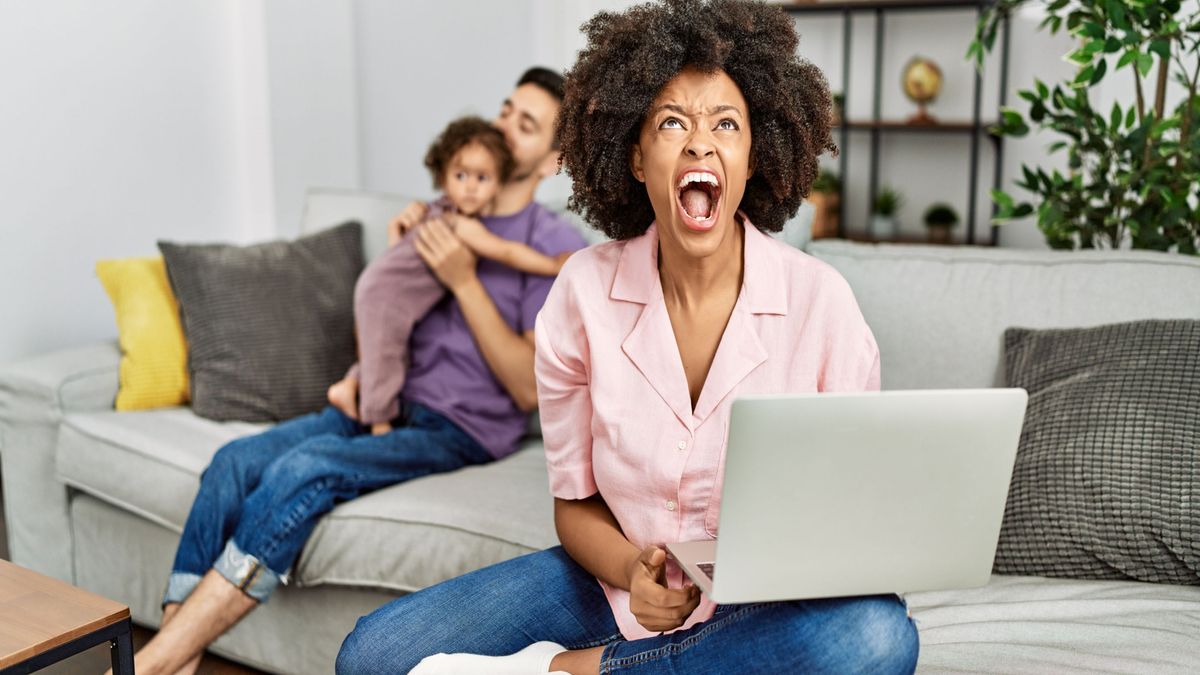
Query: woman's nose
point(700, 147)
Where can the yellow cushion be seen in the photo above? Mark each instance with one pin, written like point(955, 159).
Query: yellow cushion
point(153, 349)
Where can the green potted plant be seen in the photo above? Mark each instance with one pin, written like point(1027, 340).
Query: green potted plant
point(1131, 171)
point(839, 101)
point(826, 198)
point(883, 212)
point(940, 218)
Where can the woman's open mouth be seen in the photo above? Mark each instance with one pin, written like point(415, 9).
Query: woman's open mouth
point(698, 196)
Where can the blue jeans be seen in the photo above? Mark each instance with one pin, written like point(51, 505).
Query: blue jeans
point(548, 596)
point(262, 495)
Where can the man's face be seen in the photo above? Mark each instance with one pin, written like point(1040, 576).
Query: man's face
point(527, 121)
point(693, 154)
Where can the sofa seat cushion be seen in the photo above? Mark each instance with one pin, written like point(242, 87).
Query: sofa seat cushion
point(1037, 625)
point(405, 537)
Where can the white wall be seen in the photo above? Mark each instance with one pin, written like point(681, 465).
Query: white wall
point(120, 123)
point(129, 121)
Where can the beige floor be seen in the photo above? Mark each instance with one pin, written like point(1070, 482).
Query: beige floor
point(97, 659)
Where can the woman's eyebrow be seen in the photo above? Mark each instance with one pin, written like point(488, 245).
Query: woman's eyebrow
point(679, 109)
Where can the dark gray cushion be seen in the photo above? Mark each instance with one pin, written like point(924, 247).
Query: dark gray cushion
point(1107, 479)
point(269, 327)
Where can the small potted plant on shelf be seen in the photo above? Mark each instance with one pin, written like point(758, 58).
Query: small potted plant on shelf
point(826, 198)
point(883, 214)
point(939, 219)
point(839, 101)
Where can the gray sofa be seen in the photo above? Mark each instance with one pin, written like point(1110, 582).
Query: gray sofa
point(98, 498)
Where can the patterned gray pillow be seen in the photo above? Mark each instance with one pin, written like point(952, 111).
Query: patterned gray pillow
point(270, 326)
point(1107, 479)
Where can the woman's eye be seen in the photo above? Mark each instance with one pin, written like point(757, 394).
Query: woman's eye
point(460, 176)
point(671, 120)
point(727, 125)
point(483, 178)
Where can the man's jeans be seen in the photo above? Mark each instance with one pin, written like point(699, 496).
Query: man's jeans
point(262, 495)
point(547, 596)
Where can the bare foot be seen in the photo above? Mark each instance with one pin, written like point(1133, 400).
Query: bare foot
point(169, 613)
point(213, 608)
point(343, 395)
point(381, 428)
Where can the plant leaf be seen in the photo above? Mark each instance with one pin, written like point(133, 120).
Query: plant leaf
point(1101, 69)
point(1162, 47)
point(1144, 63)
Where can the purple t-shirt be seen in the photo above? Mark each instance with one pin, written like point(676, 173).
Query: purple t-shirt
point(448, 373)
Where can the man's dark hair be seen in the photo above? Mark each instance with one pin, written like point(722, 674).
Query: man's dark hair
point(548, 80)
point(628, 60)
point(460, 133)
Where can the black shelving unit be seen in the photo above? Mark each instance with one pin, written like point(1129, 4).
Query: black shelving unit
point(876, 127)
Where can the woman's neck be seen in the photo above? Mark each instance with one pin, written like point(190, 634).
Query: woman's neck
point(687, 280)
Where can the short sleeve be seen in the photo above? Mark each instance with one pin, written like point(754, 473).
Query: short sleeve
point(564, 398)
point(852, 355)
point(553, 236)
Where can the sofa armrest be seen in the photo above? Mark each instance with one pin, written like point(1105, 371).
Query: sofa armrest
point(46, 387)
point(35, 395)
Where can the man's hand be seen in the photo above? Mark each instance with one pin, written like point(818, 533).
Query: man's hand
point(401, 224)
point(451, 261)
point(655, 606)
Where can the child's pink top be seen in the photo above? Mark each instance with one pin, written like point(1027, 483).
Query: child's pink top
point(615, 410)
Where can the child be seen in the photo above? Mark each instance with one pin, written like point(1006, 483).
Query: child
point(469, 162)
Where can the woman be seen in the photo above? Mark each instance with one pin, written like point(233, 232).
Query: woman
point(701, 119)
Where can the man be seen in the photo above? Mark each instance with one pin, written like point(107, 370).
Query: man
point(466, 399)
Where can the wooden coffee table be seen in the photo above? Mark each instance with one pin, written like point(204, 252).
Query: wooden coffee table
point(43, 621)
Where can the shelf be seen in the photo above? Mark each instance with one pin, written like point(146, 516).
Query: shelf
point(839, 6)
point(940, 127)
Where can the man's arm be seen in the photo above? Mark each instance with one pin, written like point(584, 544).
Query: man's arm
point(508, 355)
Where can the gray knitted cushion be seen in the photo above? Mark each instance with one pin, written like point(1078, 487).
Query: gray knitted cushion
point(269, 327)
point(1107, 479)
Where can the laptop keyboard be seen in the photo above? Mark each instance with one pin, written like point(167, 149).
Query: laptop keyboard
point(707, 568)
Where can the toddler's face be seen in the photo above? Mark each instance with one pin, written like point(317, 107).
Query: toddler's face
point(472, 179)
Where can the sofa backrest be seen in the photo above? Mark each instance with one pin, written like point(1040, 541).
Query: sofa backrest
point(324, 207)
point(939, 313)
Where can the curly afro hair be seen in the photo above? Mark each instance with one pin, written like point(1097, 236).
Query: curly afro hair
point(628, 60)
point(461, 133)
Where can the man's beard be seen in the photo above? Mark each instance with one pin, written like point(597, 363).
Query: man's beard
point(520, 176)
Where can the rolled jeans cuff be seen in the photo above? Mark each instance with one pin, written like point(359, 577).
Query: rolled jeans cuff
point(248, 573)
point(179, 586)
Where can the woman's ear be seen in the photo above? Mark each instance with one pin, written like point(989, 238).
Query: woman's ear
point(635, 163)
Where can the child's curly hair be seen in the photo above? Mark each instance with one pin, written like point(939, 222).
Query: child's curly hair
point(628, 60)
point(461, 133)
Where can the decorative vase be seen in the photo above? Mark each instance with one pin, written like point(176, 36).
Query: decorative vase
point(884, 227)
point(939, 234)
point(825, 214)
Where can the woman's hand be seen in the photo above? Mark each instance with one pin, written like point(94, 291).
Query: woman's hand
point(413, 213)
point(449, 259)
point(655, 606)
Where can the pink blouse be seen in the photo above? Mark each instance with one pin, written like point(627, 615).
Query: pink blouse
point(615, 410)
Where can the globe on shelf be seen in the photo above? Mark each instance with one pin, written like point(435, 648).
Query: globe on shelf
point(922, 82)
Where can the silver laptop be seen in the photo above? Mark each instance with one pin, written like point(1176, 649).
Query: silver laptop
point(830, 495)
